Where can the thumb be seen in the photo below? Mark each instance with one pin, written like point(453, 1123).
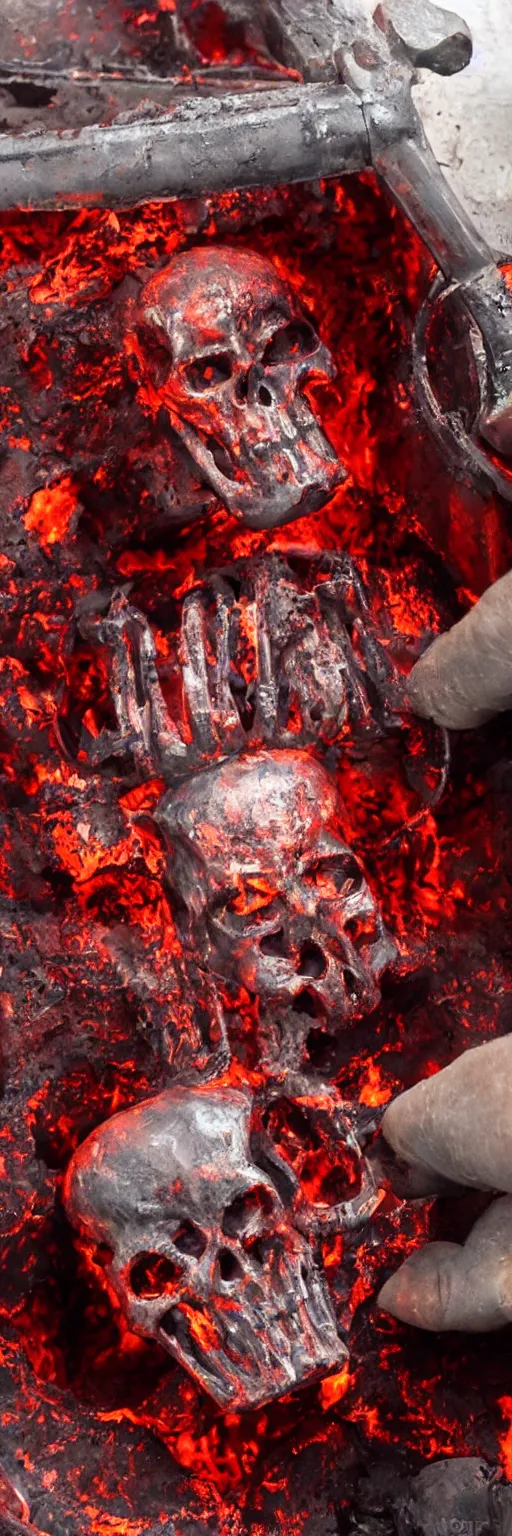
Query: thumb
point(446, 1286)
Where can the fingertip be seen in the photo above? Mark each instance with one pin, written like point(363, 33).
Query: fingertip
point(419, 1293)
point(398, 1297)
point(386, 1297)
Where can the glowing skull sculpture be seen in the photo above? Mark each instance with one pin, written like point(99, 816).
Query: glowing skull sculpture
point(204, 1256)
point(228, 351)
point(272, 897)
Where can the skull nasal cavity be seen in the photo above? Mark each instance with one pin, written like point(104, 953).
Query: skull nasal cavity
point(264, 395)
point(229, 1268)
point(312, 961)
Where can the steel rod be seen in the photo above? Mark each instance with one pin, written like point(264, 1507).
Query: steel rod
point(202, 147)
point(413, 175)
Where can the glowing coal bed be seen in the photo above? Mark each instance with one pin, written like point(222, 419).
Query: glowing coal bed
point(111, 995)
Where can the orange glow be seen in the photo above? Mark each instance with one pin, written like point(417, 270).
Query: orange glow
point(374, 1090)
point(51, 511)
point(254, 895)
point(334, 1387)
point(202, 1328)
point(505, 1403)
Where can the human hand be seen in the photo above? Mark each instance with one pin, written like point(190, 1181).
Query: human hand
point(457, 1127)
point(465, 677)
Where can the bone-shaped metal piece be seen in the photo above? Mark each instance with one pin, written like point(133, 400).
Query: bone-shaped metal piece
point(317, 667)
point(432, 37)
point(310, 35)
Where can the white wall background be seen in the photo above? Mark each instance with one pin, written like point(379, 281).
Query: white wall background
point(468, 119)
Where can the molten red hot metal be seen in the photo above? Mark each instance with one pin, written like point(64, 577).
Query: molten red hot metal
point(244, 900)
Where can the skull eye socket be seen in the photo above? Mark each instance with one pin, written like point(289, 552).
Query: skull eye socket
point(154, 1274)
point(208, 372)
point(189, 1239)
point(336, 876)
point(327, 1176)
point(247, 1212)
point(292, 342)
point(362, 931)
point(228, 1266)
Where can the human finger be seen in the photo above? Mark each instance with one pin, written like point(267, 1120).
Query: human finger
point(458, 1124)
point(465, 677)
point(466, 1288)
